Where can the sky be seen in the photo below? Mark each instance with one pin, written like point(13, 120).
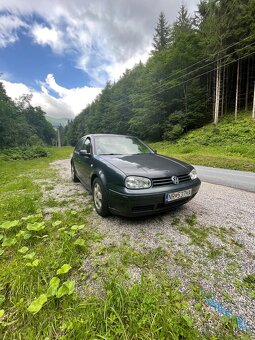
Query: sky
point(64, 51)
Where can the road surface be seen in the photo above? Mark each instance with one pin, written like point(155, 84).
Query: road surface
point(243, 180)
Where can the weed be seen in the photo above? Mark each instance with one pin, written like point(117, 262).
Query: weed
point(175, 221)
point(181, 259)
point(198, 235)
point(249, 283)
point(51, 202)
point(214, 252)
point(191, 220)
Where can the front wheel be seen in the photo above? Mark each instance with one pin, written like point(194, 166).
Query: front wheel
point(99, 198)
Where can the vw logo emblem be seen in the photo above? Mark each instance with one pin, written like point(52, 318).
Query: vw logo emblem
point(175, 179)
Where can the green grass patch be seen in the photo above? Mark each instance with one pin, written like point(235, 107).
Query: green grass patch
point(45, 291)
point(230, 144)
point(23, 153)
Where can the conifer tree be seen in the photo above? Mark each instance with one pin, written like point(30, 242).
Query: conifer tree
point(161, 37)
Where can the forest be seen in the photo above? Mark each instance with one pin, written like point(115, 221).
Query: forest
point(21, 124)
point(200, 68)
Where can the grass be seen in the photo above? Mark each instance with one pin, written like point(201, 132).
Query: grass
point(44, 287)
point(230, 144)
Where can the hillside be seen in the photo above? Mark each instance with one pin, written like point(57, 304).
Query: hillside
point(21, 124)
point(57, 121)
point(200, 67)
point(230, 144)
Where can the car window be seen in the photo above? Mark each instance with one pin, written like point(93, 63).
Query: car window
point(87, 145)
point(79, 145)
point(121, 145)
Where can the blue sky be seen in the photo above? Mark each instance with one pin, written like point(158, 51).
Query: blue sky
point(63, 52)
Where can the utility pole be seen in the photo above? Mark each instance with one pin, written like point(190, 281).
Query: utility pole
point(58, 137)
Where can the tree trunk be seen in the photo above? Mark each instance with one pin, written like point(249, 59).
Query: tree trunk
point(185, 98)
point(217, 95)
point(226, 91)
point(247, 86)
point(58, 137)
point(223, 92)
point(237, 88)
point(253, 108)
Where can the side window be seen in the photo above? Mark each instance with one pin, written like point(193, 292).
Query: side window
point(87, 145)
point(79, 145)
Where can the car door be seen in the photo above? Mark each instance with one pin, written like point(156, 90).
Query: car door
point(85, 160)
point(76, 156)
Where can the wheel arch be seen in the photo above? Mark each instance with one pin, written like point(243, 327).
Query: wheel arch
point(93, 177)
point(98, 174)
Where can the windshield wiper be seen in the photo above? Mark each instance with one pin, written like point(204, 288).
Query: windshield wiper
point(110, 154)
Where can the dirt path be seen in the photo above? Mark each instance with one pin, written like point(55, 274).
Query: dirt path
point(210, 240)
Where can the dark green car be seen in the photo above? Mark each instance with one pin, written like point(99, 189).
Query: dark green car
point(126, 177)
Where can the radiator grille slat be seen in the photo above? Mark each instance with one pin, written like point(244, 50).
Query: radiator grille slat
point(168, 181)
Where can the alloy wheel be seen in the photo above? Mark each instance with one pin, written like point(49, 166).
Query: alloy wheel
point(98, 196)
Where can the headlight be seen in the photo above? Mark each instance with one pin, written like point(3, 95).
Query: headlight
point(193, 174)
point(135, 182)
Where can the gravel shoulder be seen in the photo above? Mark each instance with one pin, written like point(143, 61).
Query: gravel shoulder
point(209, 242)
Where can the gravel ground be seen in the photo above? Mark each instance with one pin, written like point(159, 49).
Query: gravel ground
point(218, 262)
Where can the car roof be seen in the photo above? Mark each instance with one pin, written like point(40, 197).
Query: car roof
point(105, 134)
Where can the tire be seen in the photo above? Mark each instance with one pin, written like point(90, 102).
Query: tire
point(99, 198)
point(73, 174)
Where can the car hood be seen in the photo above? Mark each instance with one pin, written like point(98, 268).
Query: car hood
point(148, 165)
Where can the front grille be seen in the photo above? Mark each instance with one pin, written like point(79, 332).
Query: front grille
point(156, 182)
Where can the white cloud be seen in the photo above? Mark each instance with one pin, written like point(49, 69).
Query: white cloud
point(8, 29)
point(69, 103)
point(15, 90)
point(104, 36)
point(53, 37)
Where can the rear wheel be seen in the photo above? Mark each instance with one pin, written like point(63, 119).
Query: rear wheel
point(73, 173)
point(99, 198)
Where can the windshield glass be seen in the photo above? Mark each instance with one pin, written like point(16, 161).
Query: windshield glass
point(119, 145)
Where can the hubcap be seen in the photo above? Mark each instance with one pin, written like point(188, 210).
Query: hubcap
point(98, 196)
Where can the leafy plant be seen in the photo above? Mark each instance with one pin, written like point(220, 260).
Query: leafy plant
point(35, 263)
point(80, 242)
point(36, 226)
point(37, 304)
point(67, 288)
point(56, 223)
point(9, 224)
point(53, 286)
point(64, 269)
point(8, 242)
point(23, 250)
point(24, 234)
point(29, 256)
point(77, 227)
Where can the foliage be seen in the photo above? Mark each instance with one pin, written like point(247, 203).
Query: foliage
point(173, 92)
point(21, 124)
point(23, 153)
point(161, 38)
point(229, 145)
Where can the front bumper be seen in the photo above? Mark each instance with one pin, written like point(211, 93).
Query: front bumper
point(131, 203)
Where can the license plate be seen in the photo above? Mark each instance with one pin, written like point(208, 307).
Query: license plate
point(169, 197)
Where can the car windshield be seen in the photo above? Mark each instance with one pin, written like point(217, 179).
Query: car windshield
point(119, 145)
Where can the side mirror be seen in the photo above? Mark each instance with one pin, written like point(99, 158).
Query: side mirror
point(155, 151)
point(84, 153)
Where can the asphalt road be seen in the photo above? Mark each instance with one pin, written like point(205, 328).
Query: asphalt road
point(243, 180)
